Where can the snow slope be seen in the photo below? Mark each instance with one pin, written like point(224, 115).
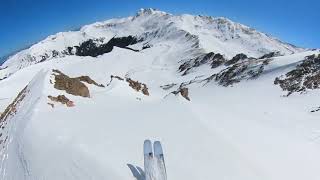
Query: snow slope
point(245, 132)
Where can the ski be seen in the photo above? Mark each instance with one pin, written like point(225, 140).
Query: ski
point(148, 159)
point(160, 163)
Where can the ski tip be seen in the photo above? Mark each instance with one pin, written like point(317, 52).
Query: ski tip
point(147, 141)
point(157, 147)
point(147, 147)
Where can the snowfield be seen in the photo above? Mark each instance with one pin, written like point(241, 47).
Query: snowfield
point(246, 131)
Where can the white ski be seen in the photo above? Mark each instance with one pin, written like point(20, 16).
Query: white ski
point(148, 160)
point(159, 161)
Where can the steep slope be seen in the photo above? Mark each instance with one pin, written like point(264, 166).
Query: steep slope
point(218, 114)
point(13, 121)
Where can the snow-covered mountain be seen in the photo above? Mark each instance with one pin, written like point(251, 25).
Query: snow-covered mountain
point(227, 102)
point(204, 34)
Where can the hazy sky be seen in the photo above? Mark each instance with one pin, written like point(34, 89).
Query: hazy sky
point(24, 22)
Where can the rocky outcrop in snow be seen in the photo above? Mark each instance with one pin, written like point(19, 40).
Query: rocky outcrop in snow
point(95, 48)
point(61, 99)
point(212, 59)
point(305, 76)
point(71, 85)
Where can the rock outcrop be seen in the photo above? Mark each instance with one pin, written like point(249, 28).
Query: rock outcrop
point(243, 70)
point(96, 47)
point(305, 76)
point(315, 110)
point(11, 108)
point(212, 59)
point(61, 99)
point(236, 59)
point(88, 80)
point(138, 86)
point(271, 55)
point(183, 91)
point(71, 85)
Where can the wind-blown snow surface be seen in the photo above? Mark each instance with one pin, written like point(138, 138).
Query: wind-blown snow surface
point(245, 132)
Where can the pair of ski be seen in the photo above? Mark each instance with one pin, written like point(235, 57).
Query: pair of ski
point(154, 165)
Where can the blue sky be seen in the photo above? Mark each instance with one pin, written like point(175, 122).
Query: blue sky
point(24, 22)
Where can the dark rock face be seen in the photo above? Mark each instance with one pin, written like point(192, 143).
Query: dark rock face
point(315, 110)
point(231, 75)
point(271, 55)
point(243, 70)
point(168, 86)
point(217, 60)
point(236, 58)
point(236, 69)
point(93, 48)
point(146, 46)
point(305, 76)
point(211, 58)
point(214, 59)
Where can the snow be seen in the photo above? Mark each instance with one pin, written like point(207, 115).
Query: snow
point(245, 132)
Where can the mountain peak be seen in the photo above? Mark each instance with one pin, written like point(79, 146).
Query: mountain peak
point(149, 11)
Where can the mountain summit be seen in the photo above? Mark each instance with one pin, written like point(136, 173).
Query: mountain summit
point(225, 100)
point(198, 34)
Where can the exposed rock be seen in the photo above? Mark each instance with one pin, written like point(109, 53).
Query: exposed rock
point(271, 55)
point(145, 90)
point(50, 104)
point(88, 80)
point(3, 78)
point(184, 66)
point(315, 110)
point(116, 77)
point(184, 92)
point(1, 68)
point(146, 46)
point(168, 86)
point(214, 60)
point(11, 108)
point(62, 99)
point(248, 69)
point(305, 76)
point(236, 59)
point(55, 53)
point(217, 60)
point(94, 47)
point(136, 85)
point(231, 75)
point(71, 85)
